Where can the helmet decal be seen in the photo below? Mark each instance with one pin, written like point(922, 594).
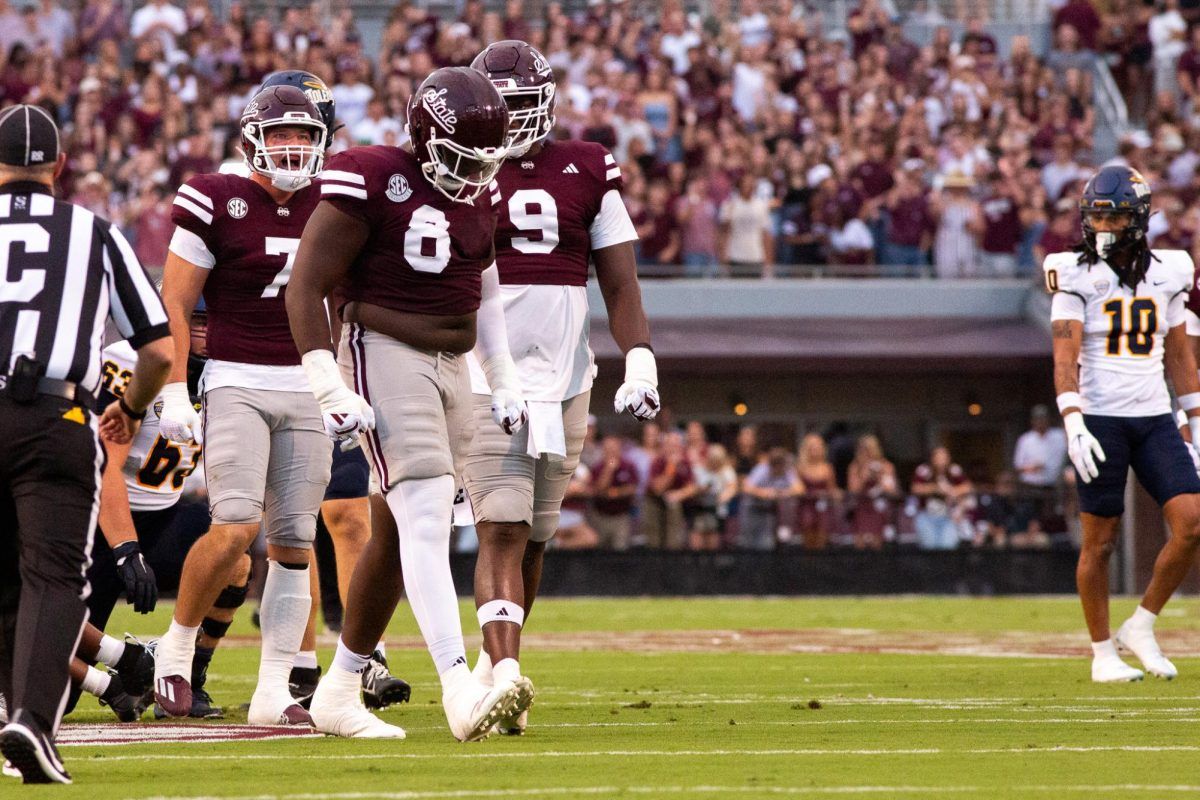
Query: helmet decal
point(434, 101)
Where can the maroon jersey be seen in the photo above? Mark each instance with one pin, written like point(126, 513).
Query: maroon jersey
point(425, 252)
point(549, 203)
point(1193, 298)
point(253, 242)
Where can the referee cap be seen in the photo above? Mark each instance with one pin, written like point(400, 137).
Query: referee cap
point(28, 137)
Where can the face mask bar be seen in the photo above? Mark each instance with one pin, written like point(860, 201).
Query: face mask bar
point(528, 125)
point(1107, 240)
point(461, 173)
point(274, 162)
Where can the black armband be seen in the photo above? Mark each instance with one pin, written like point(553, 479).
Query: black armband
point(129, 412)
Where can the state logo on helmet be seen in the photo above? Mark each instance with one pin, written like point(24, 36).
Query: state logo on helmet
point(314, 89)
point(458, 124)
point(526, 82)
point(289, 166)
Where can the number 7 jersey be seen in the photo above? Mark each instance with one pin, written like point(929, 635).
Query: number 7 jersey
point(1124, 331)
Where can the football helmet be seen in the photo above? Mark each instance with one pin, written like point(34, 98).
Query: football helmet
point(526, 82)
point(314, 89)
point(458, 124)
point(293, 166)
point(1115, 192)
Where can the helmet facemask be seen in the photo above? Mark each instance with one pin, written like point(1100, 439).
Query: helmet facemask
point(530, 115)
point(292, 166)
point(461, 173)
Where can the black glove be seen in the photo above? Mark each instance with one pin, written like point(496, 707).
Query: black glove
point(140, 586)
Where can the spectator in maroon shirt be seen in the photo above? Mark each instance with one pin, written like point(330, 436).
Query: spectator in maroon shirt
point(910, 223)
point(1001, 227)
point(1082, 16)
point(614, 487)
point(1062, 234)
point(943, 492)
point(1189, 69)
point(599, 129)
point(977, 42)
point(657, 230)
point(671, 485)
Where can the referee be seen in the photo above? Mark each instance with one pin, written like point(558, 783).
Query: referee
point(63, 273)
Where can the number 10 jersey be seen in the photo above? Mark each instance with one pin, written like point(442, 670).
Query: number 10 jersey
point(1124, 330)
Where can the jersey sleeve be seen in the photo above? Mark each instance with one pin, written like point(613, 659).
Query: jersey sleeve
point(344, 185)
point(612, 224)
point(193, 212)
point(1062, 273)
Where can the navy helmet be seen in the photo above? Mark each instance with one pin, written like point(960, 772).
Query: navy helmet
point(1115, 191)
point(314, 89)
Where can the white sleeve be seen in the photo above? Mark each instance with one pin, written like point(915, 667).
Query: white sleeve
point(1177, 312)
point(1192, 321)
point(1066, 305)
point(491, 340)
point(191, 248)
point(612, 225)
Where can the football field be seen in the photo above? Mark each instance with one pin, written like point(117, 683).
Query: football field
point(878, 697)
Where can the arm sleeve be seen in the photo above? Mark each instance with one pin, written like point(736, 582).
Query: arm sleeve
point(612, 225)
point(344, 185)
point(136, 307)
point(192, 249)
point(1065, 305)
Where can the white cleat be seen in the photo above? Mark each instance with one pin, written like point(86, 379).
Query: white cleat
point(1107, 669)
point(1141, 642)
point(9, 771)
point(515, 724)
point(276, 708)
point(473, 710)
point(337, 709)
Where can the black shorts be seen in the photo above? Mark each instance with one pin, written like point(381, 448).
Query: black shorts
point(350, 476)
point(1152, 446)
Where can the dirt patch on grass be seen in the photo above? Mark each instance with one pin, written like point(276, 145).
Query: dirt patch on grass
point(1011, 644)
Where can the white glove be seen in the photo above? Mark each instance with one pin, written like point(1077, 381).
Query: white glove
point(345, 414)
point(639, 393)
point(509, 410)
point(178, 420)
point(1082, 447)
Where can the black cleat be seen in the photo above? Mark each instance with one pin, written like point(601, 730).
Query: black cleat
point(31, 752)
point(380, 688)
point(203, 708)
point(136, 668)
point(302, 682)
point(123, 704)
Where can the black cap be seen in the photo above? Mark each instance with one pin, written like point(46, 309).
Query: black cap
point(28, 137)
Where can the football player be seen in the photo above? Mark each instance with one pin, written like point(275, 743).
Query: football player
point(1118, 322)
point(406, 240)
point(234, 242)
point(561, 209)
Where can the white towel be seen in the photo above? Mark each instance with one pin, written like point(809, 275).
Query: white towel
point(545, 434)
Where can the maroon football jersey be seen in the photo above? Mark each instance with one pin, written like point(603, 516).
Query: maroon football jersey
point(425, 252)
point(548, 204)
point(253, 241)
point(1193, 298)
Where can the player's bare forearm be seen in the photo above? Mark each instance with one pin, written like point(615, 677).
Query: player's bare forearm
point(1068, 340)
point(616, 269)
point(155, 366)
point(116, 519)
point(330, 243)
point(183, 282)
point(1180, 363)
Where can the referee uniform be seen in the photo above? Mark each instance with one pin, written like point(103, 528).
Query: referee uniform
point(63, 273)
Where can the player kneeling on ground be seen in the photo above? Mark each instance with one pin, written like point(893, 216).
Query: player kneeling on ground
point(1118, 320)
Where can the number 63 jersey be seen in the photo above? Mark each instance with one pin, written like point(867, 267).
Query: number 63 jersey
point(1124, 330)
point(156, 468)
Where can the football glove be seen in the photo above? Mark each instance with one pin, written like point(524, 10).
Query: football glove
point(178, 419)
point(639, 393)
point(345, 414)
point(1085, 452)
point(140, 585)
point(509, 410)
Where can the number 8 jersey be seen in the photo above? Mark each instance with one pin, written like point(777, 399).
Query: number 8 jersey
point(1121, 361)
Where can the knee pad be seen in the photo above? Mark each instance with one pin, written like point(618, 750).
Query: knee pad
point(504, 505)
point(237, 511)
point(231, 597)
point(544, 526)
point(423, 509)
point(213, 628)
point(294, 530)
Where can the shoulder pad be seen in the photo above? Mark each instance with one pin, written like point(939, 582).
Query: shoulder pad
point(1178, 264)
point(1061, 272)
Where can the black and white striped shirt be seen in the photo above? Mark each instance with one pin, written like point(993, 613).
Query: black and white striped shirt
point(63, 272)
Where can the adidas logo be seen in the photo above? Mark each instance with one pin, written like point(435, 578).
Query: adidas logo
point(571, 170)
point(502, 612)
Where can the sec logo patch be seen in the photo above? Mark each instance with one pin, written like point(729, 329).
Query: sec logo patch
point(398, 189)
point(237, 207)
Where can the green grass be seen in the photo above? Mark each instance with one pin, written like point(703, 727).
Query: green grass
point(695, 724)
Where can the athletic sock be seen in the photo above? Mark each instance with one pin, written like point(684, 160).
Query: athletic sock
point(381, 648)
point(483, 668)
point(95, 682)
point(285, 604)
point(305, 659)
point(1143, 619)
point(506, 669)
point(1105, 649)
point(175, 651)
point(347, 660)
point(110, 650)
point(454, 675)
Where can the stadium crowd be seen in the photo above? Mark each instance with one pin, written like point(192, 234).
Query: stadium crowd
point(749, 139)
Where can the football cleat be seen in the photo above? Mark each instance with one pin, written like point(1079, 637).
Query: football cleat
point(1107, 669)
point(379, 687)
point(136, 668)
point(473, 710)
point(203, 708)
point(31, 752)
point(173, 695)
point(9, 771)
point(266, 708)
point(302, 682)
point(337, 710)
point(514, 724)
point(124, 705)
point(1141, 642)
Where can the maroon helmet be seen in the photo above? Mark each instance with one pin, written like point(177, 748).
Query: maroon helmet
point(458, 124)
point(526, 83)
point(292, 166)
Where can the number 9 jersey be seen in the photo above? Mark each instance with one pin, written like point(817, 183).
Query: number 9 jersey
point(156, 468)
point(1121, 361)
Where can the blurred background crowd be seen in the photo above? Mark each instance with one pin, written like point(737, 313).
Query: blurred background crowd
point(754, 139)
